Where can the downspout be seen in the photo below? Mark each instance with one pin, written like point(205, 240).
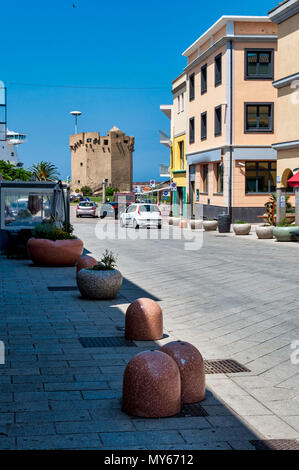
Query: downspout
point(230, 132)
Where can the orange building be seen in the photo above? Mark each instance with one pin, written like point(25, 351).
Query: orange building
point(231, 118)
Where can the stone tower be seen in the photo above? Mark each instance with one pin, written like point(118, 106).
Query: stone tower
point(95, 158)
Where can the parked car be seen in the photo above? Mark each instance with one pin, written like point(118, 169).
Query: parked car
point(113, 209)
point(86, 208)
point(141, 215)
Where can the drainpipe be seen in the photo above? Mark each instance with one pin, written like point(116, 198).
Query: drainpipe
point(230, 132)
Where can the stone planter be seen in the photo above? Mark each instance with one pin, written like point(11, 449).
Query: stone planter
point(286, 234)
point(242, 229)
point(176, 221)
point(99, 285)
point(209, 225)
point(170, 220)
point(55, 253)
point(264, 231)
point(196, 224)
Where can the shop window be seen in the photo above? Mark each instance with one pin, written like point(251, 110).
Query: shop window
point(260, 177)
point(197, 195)
point(219, 178)
point(205, 178)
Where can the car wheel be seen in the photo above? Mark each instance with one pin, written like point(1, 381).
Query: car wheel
point(159, 226)
point(77, 216)
point(135, 225)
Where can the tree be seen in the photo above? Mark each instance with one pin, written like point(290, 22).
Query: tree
point(11, 172)
point(86, 190)
point(111, 191)
point(44, 171)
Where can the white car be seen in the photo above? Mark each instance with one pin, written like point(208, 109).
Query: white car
point(141, 215)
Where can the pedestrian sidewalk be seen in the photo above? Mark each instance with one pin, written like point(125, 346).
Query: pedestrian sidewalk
point(55, 394)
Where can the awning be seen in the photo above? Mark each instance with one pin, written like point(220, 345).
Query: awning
point(294, 180)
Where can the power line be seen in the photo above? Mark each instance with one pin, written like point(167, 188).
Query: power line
point(86, 87)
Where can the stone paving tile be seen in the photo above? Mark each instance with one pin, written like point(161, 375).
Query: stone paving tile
point(52, 416)
point(136, 438)
point(104, 425)
point(72, 441)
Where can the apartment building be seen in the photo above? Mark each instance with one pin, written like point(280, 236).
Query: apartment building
point(286, 16)
point(231, 117)
point(177, 113)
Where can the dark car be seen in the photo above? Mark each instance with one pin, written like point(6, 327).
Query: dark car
point(112, 209)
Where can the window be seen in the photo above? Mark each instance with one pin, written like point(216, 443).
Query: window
point(258, 64)
point(105, 142)
point(181, 154)
point(79, 181)
point(197, 195)
point(219, 177)
point(182, 103)
point(179, 104)
point(218, 121)
point(203, 79)
point(191, 130)
point(260, 177)
point(81, 164)
point(258, 117)
point(203, 126)
point(88, 140)
point(192, 87)
point(218, 69)
point(205, 178)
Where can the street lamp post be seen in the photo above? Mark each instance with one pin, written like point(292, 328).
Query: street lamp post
point(76, 114)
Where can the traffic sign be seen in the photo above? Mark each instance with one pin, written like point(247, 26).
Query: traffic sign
point(152, 183)
point(165, 193)
point(173, 187)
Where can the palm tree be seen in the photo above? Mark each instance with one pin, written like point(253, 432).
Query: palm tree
point(44, 171)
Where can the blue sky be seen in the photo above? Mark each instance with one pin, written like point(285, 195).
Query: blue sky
point(121, 44)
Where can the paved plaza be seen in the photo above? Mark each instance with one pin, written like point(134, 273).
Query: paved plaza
point(235, 298)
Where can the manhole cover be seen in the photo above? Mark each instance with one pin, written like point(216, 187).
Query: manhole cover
point(276, 444)
point(62, 288)
point(106, 342)
point(224, 366)
point(192, 410)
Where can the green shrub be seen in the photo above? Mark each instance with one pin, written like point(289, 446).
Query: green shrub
point(86, 190)
point(108, 262)
point(285, 223)
point(50, 231)
point(240, 222)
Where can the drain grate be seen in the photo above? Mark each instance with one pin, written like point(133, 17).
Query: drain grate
point(276, 444)
point(191, 410)
point(224, 366)
point(105, 342)
point(62, 288)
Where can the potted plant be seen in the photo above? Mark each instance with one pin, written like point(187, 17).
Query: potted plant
point(286, 232)
point(210, 224)
point(241, 228)
point(54, 246)
point(196, 224)
point(102, 281)
point(264, 231)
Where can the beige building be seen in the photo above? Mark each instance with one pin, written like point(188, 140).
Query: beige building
point(177, 113)
point(231, 103)
point(96, 157)
point(286, 16)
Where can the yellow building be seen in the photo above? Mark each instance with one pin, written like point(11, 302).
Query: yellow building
point(286, 16)
point(177, 143)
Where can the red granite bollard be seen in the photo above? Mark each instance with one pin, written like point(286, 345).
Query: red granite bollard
point(191, 366)
point(151, 386)
point(86, 262)
point(144, 320)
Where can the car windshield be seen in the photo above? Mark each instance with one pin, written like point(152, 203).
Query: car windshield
point(148, 208)
point(86, 204)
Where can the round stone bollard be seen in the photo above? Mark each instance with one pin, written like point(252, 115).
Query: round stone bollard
point(151, 386)
point(144, 320)
point(85, 262)
point(191, 366)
